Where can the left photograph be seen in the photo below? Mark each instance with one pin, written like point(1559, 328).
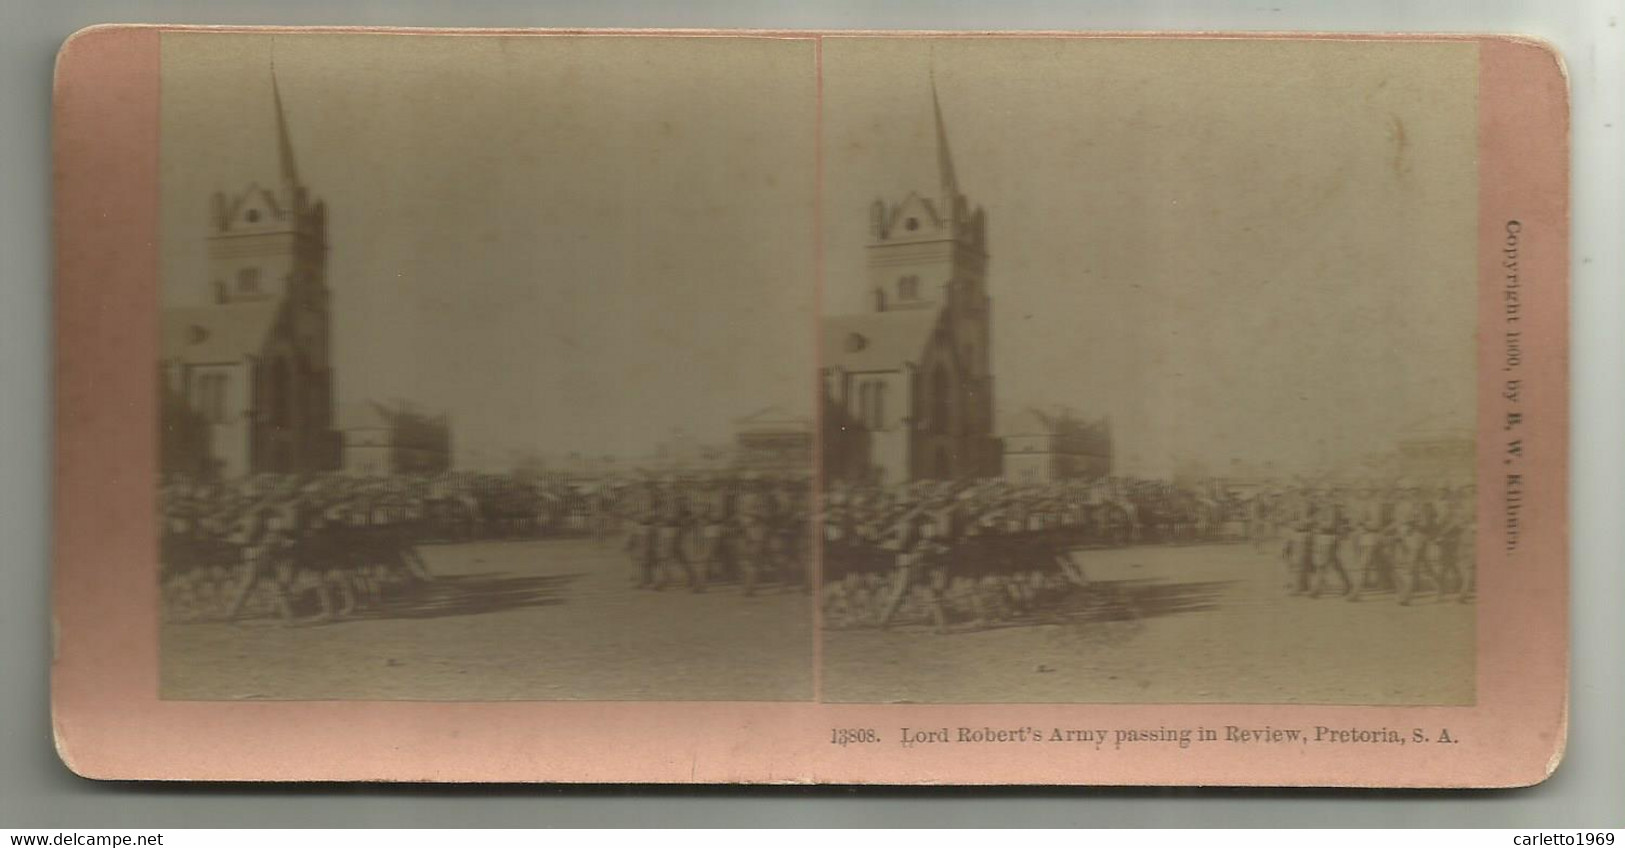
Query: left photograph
point(487, 367)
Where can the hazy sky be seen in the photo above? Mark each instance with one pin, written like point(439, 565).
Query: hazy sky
point(1241, 249)
point(568, 243)
point(1250, 249)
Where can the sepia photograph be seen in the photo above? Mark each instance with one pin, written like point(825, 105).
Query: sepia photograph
point(1149, 371)
point(485, 367)
point(1165, 395)
point(612, 406)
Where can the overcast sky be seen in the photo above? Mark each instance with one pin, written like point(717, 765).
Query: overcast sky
point(574, 244)
point(1258, 250)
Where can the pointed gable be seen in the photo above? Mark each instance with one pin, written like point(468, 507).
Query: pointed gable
point(770, 419)
point(211, 335)
point(879, 341)
point(914, 217)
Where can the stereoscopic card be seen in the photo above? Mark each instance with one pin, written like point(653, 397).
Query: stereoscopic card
point(810, 407)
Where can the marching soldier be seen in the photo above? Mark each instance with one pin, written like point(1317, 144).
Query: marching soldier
point(790, 513)
point(1446, 540)
point(672, 519)
point(263, 542)
point(918, 565)
point(643, 506)
point(1298, 549)
point(714, 512)
point(1327, 546)
point(1415, 552)
point(1372, 531)
point(755, 509)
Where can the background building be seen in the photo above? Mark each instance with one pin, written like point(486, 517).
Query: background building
point(394, 438)
point(908, 384)
point(1043, 446)
point(773, 440)
point(246, 378)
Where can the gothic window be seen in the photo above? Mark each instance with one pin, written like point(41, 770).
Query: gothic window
point(248, 280)
point(280, 387)
point(939, 400)
point(908, 288)
point(877, 419)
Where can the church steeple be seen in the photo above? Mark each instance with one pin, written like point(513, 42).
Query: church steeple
point(945, 159)
point(289, 168)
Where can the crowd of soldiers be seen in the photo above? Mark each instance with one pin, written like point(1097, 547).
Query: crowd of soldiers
point(697, 530)
point(1404, 537)
point(1001, 550)
point(994, 549)
point(345, 540)
point(272, 541)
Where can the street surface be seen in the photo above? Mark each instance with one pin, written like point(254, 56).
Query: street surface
point(1186, 624)
point(513, 620)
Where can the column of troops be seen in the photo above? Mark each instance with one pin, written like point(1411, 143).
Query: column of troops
point(927, 549)
point(1405, 537)
point(226, 550)
point(693, 531)
point(1001, 551)
point(267, 543)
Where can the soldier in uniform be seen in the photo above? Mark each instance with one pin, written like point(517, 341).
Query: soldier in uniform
point(918, 565)
point(264, 543)
point(1446, 540)
point(643, 507)
point(1298, 549)
point(1327, 545)
point(672, 520)
point(1370, 536)
point(713, 514)
point(790, 514)
point(312, 551)
point(1415, 551)
point(756, 521)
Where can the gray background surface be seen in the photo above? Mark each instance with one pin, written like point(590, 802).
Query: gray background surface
point(1588, 790)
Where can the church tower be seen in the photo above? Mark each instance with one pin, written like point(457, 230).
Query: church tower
point(268, 243)
point(931, 253)
point(252, 361)
point(925, 339)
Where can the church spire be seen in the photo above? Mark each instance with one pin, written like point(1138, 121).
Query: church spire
point(290, 171)
point(945, 159)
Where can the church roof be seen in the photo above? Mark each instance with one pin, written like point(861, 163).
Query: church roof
point(215, 334)
point(773, 419)
point(1031, 422)
point(877, 341)
point(367, 415)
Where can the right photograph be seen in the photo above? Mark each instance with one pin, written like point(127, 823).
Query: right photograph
point(1148, 371)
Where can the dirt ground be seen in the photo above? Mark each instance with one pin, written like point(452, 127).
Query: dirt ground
point(1203, 623)
point(559, 620)
point(513, 620)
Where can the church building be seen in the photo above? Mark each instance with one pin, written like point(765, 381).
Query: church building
point(908, 383)
point(246, 374)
